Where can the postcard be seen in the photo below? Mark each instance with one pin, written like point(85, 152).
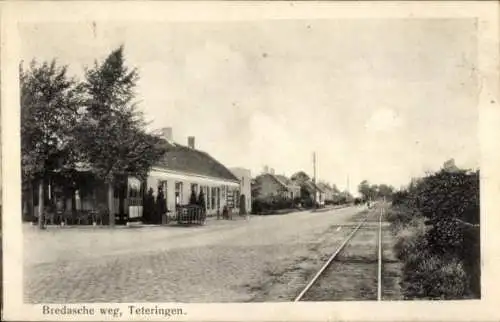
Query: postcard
point(250, 161)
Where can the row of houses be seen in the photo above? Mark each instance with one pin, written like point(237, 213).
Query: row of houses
point(299, 185)
point(182, 171)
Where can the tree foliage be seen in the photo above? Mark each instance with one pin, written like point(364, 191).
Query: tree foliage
point(372, 191)
point(443, 259)
point(112, 129)
point(65, 123)
point(447, 199)
point(50, 100)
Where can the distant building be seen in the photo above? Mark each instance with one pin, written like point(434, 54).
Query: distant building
point(308, 187)
point(244, 200)
point(329, 192)
point(270, 184)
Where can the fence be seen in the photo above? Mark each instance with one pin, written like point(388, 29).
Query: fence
point(190, 214)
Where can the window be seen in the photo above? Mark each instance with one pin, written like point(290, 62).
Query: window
point(134, 188)
point(194, 187)
point(213, 194)
point(209, 204)
point(237, 198)
point(230, 199)
point(178, 193)
point(218, 197)
point(163, 185)
point(133, 192)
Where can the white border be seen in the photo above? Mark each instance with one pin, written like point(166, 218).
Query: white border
point(488, 15)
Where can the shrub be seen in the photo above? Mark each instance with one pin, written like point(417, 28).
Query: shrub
point(401, 216)
point(445, 197)
point(161, 205)
point(201, 200)
point(193, 200)
point(411, 239)
point(441, 254)
point(270, 204)
point(149, 207)
point(400, 198)
point(433, 277)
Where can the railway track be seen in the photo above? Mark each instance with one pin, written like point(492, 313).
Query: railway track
point(355, 269)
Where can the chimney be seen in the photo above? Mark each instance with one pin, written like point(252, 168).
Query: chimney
point(272, 170)
point(266, 169)
point(191, 142)
point(166, 133)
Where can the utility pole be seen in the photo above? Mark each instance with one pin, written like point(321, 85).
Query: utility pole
point(314, 179)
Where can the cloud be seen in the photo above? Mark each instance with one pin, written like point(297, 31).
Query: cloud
point(384, 120)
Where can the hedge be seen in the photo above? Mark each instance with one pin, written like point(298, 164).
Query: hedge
point(438, 238)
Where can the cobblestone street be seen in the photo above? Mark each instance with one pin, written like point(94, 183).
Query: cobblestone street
point(224, 261)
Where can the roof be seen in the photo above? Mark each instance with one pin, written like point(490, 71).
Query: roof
point(281, 180)
point(324, 187)
point(310, 186)
point(239, 171)
point(316, 186)
point(184, 159)
point(284, 181)
point(320, 189)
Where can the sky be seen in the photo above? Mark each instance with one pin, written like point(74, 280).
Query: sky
point(381, 100)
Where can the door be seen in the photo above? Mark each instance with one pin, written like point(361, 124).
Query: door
point(243, 205)
point(134, 198)
point(120, 196)
point(218, 198)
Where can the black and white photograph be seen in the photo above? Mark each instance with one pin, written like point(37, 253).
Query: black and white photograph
point(216, 161)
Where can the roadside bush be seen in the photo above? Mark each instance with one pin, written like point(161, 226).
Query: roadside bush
point(411, 240)
point(400, 217)
point(149, 206)
point(443, 198)
point(161, 206)
point(433, 277)
point(307, 203)
point(400, 198)
point(270, 204)
point(437, 241)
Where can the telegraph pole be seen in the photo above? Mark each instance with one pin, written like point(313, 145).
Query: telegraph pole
point(314, 179)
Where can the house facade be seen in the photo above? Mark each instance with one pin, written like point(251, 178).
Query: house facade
point(270, 185)
point(182, 171)
point(308, 187)
point(329, 193)
point(244, 202)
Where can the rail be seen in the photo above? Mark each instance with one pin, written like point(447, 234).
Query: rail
point(334, 255)
point(328, 262)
